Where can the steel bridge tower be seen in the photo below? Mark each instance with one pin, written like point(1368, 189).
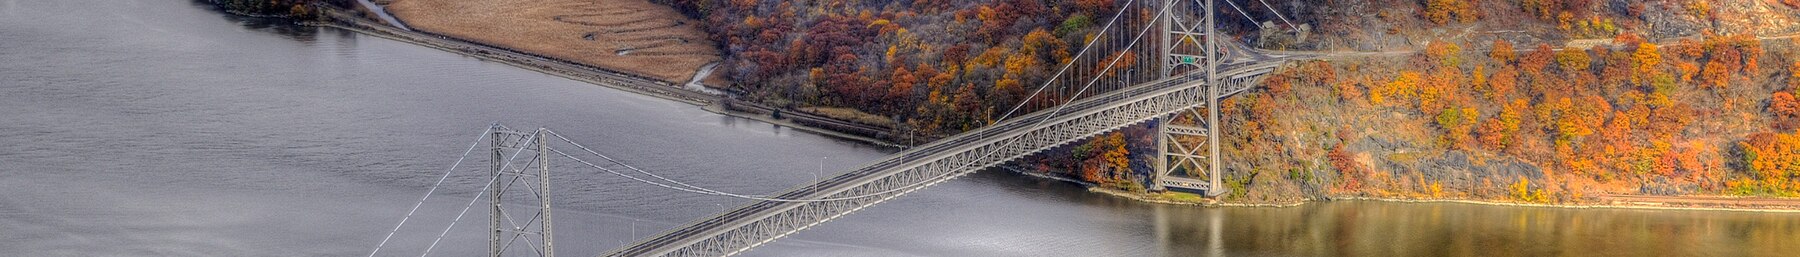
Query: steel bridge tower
point(1188, 45)
point(506, 175)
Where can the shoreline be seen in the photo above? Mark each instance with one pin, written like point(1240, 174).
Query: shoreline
point(1142, 197)
point(726, 106)
point(610, 79)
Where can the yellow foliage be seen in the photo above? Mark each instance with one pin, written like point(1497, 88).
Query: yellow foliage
point(1436, 190)
point(991, 57)
point(1017, 63)
point(1522, 190)
point(1502, 52)
point(1573, 59)
point(1647, 58)
point(1403, 87)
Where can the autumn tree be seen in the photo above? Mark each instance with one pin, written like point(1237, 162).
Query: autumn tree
point(1104, 158)
point(1502, 52)
point(1443, 53)
point(1403, 87)
point(1773, 158)
point(1347, 167)
point(1536, 61)
point(1647, 58)
point(1785, 109)
point(1443, 11)
point(1573, 60)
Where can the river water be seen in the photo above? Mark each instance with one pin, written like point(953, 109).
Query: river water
point(167, 128)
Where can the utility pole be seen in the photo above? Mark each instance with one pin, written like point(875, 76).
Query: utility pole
point(815, 181)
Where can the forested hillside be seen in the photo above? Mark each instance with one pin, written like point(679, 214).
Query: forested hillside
point(1523, 100)
point(286, 8)
point(1531, 100)
point(935, 66)
point(1599, 97)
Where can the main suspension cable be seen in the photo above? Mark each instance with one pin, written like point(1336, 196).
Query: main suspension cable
point(434, 187)
point(484, 189)
point(701, 190)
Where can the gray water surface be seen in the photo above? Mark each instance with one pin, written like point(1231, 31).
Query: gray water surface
point(167, 128)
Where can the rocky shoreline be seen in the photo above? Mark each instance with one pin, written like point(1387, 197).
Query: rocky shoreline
point(1791, 207)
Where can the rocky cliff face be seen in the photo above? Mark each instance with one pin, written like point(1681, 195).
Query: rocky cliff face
point(1668, 20)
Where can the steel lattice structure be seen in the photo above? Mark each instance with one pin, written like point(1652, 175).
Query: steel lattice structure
point(1196, 70)
point(757, 223)
point(505, 176)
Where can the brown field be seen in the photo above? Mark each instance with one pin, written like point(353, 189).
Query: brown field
point(633, 36)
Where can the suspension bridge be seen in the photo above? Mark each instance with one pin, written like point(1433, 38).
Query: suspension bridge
point(1093, 93)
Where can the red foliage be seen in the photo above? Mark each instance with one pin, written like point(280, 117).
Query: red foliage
point(1350, 171)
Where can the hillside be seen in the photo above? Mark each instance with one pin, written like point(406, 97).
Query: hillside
point(1703, 106)
point(1526, 100)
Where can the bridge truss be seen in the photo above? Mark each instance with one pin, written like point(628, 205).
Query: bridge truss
point(1192, 72)
point(761, 222)
point(1195, 73)
point(507, 179)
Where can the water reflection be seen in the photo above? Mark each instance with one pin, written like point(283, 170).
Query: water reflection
point(1367, 228)
point(152, 128)
point(284, 27)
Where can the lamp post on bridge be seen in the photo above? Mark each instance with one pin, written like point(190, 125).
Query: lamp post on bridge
point(815, 180)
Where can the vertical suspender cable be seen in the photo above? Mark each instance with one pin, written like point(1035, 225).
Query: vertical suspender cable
point(434, 187)
point(465, 210)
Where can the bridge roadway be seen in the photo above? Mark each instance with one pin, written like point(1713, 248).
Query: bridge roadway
point(762, 221)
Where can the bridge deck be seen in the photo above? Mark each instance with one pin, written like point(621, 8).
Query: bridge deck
point(935, 162)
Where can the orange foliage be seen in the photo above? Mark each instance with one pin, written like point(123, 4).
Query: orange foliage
point(1688, 70)
point(1441, 11)
point(1502, 52)
point(1492, 134)
point(1125, 61)
point(1534, 63)
point(1785, 108)
point(1783, 104)
point(1347, 168)
point(1107, 158)
point(1443, 53)
point(1647, 58)
point(1773, 157)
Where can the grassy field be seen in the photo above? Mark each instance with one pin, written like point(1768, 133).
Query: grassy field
point(633, 36)
point(850, 114)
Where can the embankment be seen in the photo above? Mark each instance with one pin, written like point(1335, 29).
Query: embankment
point(614, 79)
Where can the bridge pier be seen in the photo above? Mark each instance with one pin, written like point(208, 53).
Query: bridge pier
point(1180, 164)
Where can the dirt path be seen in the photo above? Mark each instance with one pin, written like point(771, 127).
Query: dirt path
point(1339, 55)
